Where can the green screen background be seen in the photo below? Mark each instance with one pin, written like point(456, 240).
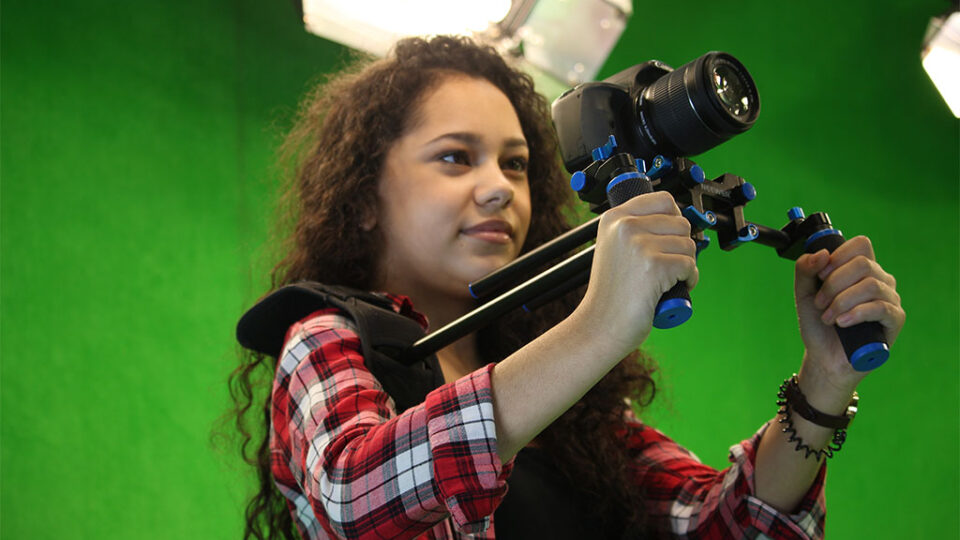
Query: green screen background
point(136, 147)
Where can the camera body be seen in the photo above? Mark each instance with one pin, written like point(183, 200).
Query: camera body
point(653, 110)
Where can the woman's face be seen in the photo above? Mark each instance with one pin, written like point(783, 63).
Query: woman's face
point(454, 198)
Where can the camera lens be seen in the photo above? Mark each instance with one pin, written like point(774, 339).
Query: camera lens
point(730, 89)
point(698, 105)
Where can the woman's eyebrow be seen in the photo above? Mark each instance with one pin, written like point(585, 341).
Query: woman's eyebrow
point(515, 142)
point(474, 139)
point(464, 137)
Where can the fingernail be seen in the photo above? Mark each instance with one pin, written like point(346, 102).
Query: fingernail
point(827, 316)
point(844, 319)
point(825, 272)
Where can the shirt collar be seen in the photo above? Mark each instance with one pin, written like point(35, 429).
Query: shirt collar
point(401, 304)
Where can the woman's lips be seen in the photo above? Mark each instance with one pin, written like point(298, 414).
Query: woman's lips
point(494, 231)
point(490, 236)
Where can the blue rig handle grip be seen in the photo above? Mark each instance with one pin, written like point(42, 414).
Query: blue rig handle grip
point(864, 343)
point(674, 307)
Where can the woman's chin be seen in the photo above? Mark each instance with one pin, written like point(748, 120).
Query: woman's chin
point(486, 267)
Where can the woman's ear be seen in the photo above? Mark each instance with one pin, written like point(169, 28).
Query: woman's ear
point(368, 219)
point(369, 209)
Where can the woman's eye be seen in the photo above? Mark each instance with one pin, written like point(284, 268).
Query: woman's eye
point(458, 157)
point(517, 164)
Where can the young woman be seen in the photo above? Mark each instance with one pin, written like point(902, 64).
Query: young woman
point(422, 172)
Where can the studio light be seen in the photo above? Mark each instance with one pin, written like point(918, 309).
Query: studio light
point(374, 25)
point(560, 42)
point(941, 57)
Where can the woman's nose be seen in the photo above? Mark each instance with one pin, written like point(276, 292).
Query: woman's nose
point(493, 188)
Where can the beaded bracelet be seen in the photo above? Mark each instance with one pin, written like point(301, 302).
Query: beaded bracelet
point(791, 397)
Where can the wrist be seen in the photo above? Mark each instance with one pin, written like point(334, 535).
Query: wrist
point(824, 392)
point(617, 339)
point(808, 427)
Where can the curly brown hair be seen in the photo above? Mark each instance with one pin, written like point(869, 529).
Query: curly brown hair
point(335, 153)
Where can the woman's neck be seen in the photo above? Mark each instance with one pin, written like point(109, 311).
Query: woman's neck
point(460, 357)
point(441, 308)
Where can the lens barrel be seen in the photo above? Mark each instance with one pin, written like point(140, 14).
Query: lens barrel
point(698, 105)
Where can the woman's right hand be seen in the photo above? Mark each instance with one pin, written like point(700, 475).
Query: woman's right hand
point(643, 249)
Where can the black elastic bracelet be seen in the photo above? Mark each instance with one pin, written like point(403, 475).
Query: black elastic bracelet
point(791, 398)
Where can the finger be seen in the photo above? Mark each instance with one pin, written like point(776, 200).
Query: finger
point(668, 244)
point(890, 316)
point(658, 202)
point(683, 268)
point(853, 271)
point(806, 269)
point(658, 224)
point(869, 289)
point(852, 248)
point(692, 276)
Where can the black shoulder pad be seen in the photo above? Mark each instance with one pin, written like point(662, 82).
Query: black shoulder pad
point(383, 334)
point(263, 327)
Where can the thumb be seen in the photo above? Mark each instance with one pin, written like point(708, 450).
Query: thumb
point(808, 266)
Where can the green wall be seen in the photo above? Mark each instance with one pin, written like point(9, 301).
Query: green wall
point(136, 143)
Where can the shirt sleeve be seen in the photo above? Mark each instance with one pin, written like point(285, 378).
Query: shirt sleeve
point(690, 500)
point(364, 471)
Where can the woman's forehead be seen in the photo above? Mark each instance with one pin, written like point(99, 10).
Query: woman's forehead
point(461, 104)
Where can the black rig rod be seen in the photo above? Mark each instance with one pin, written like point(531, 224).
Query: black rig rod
point(499, 306)
point(578, 280)
point(511, 274)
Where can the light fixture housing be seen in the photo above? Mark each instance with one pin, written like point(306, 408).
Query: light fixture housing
point(537, 33)
point(941, 58)
point(375, 25)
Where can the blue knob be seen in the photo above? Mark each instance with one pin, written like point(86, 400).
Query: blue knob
point(795, 213)
point(749, 192)
point(700, 220)
point(703, 244)
point(744, 235)
point(698, 176)
point(624, 177)
point(671, 313)
point(661, 166)
point(870, 356)
point(605, 151)
point(578, 181)
point(820, 234)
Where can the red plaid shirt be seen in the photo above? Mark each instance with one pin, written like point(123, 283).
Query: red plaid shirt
point(351, 467)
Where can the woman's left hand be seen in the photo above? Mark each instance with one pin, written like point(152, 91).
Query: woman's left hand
point(854, 289)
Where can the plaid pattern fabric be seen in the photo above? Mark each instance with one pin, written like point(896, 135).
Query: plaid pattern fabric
point(351, 467)
point(687, 499)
